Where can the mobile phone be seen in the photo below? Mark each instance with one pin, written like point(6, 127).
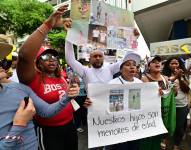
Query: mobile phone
point(26, 99)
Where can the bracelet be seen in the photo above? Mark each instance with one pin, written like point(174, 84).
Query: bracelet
point(9, 137)
point(20, 125)
point(38, 29)
point(48, 25)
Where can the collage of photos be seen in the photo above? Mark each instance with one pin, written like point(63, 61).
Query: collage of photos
point(108, 15)
point(98, 25)
point(116, 100)
point(121, 38)
point(134, 99)
point(97, 35)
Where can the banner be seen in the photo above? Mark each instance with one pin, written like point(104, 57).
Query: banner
point(121, 113)
point(173, 47)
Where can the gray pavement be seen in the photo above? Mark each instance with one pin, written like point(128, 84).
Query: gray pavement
point(83, 139)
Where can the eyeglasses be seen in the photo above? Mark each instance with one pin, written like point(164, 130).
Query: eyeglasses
point(47, 57)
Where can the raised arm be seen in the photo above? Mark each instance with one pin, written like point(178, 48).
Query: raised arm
point(71, 60)
point(29, 50)
point(115, 67)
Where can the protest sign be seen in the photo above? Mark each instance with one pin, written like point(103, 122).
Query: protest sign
point(94, 21)
point(121, 113)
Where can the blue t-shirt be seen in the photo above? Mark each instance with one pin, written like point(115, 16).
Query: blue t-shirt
point(10, 98)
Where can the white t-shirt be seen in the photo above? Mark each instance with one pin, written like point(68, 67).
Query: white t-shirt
point(181, 98)
point(120, 80)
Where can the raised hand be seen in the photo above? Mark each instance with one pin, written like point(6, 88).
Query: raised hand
point(67, 22)
point(55, 19)
point(73, 90)
point(178, 73)
point(87, 103)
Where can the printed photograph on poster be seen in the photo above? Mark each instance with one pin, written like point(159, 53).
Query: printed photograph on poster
point(120, 54)
point(121, 38)
point(97, 35)
point(116, 100)
point(83, 51)
point(80, 10)
point(108, 15)
point(134, 99)
point(98, 14)
point(78, 34)
point(110, 55)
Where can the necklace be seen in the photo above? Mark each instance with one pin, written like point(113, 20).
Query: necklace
point(52, 75)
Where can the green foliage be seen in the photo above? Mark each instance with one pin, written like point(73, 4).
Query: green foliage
point(57, 39)
point(22, 16)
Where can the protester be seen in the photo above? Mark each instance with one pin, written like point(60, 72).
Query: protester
point(154, 75)
point(128, 70)
point(176, 71)
point(12, 134)
point(97, 73)
point(46, 80)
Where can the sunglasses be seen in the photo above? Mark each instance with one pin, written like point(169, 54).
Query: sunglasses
point(47, 57)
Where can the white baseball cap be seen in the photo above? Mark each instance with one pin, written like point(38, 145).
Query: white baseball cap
point(131, 55)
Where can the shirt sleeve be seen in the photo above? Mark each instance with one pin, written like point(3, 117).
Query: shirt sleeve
point(115, 67)
point(12, 138)
point(71, 60)
point(46, 110)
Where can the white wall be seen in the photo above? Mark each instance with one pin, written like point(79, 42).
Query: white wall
point(142, 4)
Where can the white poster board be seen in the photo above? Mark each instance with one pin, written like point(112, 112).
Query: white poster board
point(121, 113)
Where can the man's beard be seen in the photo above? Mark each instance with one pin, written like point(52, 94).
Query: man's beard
point(97, 66)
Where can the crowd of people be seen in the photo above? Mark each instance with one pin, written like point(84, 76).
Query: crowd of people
point(49, 117)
